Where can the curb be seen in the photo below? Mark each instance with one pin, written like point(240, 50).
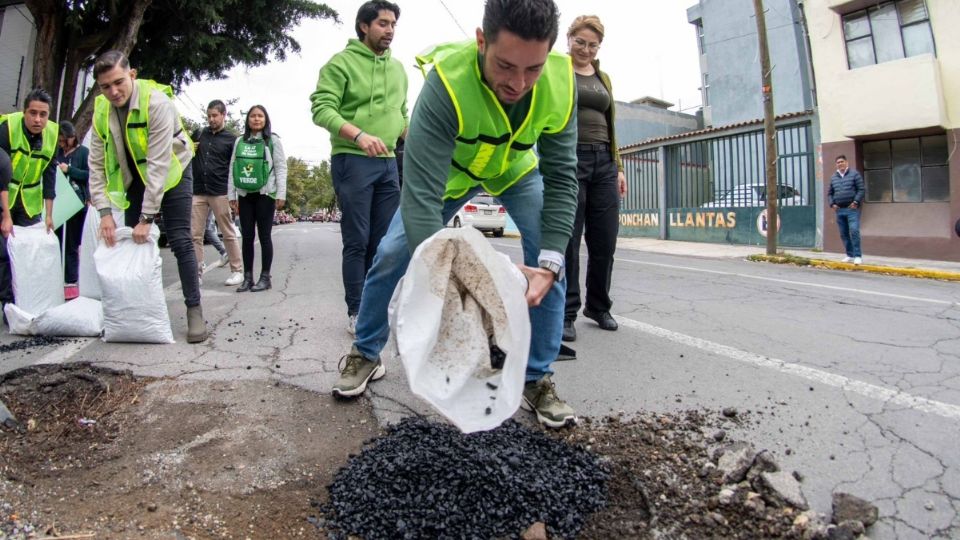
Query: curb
point(849, 267)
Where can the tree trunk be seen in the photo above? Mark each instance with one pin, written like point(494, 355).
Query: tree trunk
point(71, 75)
point(123, 40)
point(50, 49)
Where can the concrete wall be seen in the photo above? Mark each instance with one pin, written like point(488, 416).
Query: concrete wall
point(906, 97)
point(635, 123)
point(17, 36)
point(732, 59)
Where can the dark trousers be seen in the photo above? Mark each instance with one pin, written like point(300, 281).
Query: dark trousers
point(256, 217)
point(368, 191)
point(177, 209)
point(71, 252)
point(19, 216)
point(598, 219)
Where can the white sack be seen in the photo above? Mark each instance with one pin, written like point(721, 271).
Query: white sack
point(131, 284)
point(18, 321)
point(89, 241)
point(35, 268)
point(458, 291)
point(77, 318)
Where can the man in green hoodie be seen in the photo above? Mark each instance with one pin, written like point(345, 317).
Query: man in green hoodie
point(361, 99)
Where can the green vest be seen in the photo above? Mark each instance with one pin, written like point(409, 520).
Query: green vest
point(488, 152)
point(137, 137)
point(251, 170)
point(28, 164)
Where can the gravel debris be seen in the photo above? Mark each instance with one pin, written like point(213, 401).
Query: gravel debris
point(428, 480)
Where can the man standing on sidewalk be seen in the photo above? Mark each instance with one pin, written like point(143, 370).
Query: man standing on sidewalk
point(29, 139)
point(846, 195)
point(483, 108)
point(214, 145)
point(361, 99)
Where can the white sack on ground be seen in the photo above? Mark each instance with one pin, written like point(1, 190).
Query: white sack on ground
point(457, 292)
point(131, 283)
point(88, 282)
point(35, 268)
point(80, 317)
point(18, 321)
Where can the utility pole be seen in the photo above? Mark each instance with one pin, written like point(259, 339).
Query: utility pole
point(769, 129)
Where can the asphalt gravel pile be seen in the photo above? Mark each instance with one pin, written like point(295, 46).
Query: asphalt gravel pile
point(30, 343)
point(428, 480)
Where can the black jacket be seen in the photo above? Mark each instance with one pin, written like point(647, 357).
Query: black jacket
point(846, 189)
point(212, 161)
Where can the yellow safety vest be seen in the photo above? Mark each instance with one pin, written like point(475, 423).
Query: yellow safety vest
point(137, 138)
point(29, 164)
point(488, 152)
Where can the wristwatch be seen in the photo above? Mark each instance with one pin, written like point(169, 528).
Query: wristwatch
point(147, 218)
point(557, 269)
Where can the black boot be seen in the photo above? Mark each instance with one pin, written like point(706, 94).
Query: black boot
point(247, 282)
point(262, 284)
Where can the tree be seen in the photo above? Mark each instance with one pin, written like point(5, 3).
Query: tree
point(171, 41)
point(308, 188)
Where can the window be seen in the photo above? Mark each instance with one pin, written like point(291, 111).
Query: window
point(887, 31)
point(907, 170)
point(701, 44)
point(706, 90)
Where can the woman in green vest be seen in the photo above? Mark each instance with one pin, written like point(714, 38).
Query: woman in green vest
point(601, 178)
point(256, 189)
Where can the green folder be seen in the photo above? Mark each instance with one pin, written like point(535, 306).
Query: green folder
point(66, 203)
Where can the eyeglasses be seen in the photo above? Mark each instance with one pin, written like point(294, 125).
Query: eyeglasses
point(584, 45)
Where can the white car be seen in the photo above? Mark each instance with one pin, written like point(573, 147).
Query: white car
point(756, 195)
point(483, 213)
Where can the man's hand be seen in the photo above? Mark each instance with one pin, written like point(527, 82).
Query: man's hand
point(280, 204)
point(141, 233)
point(234, 207)
point(49, 221)
point(854, 205)
point(372, 145)
point(622, 184)
point(6, 226)
point(539, 281)
point(108, 230)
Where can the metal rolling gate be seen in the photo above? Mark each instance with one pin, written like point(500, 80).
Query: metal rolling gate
point(712, 189)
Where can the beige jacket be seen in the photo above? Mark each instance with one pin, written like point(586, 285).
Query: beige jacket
point(164, 135)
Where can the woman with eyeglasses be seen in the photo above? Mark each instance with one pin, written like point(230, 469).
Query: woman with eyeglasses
point(602, 182)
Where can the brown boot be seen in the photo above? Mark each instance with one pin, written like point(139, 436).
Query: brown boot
point(196, 326)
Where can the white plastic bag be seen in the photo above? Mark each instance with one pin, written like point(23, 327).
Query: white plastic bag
point(77, 318)
point(457, 293)
point(18, 321)
point(131, 286)
point(35, 268)
point(89, 241)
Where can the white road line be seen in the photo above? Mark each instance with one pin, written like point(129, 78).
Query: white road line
point(791, 282)
point(879, 393)
point(776, 280)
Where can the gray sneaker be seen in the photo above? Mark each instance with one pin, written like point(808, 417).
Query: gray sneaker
point(355, 372)
point(541, 398)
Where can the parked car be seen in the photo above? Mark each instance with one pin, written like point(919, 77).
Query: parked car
point(484, 213)
point(755, 194)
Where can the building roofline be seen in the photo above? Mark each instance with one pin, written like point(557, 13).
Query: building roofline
point(691, 134)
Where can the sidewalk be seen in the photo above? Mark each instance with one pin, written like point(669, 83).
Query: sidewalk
point(949, 270)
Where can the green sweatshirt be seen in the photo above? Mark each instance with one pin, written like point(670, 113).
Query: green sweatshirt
point(364, 89)
point(426, 161)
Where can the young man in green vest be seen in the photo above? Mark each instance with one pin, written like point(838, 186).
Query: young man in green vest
point(470, 134)
point(140, 162)
point(29, 139)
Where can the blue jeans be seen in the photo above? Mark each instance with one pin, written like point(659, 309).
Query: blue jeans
point(524, 202)
point(848, 220)
point(368, 191)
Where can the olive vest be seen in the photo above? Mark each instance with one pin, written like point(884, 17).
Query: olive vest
point(29, 164)
point(488, 151)
point(137, 138)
